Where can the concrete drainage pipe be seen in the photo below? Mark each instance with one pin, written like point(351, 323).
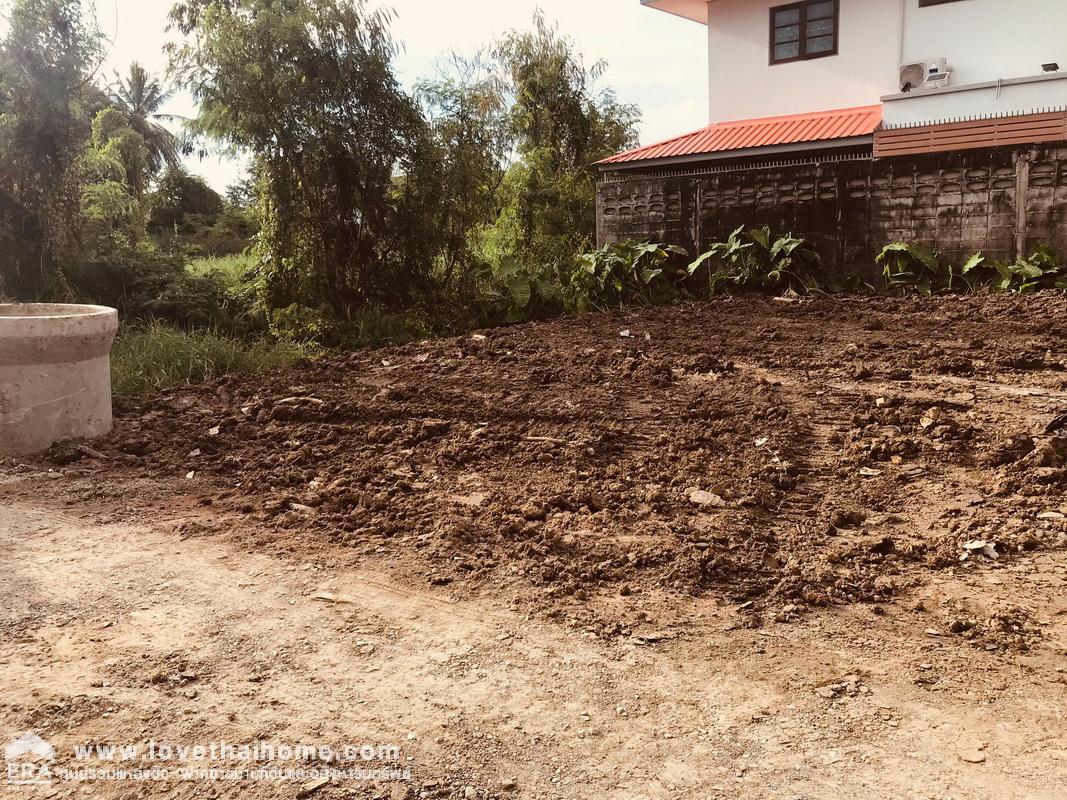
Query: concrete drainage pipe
point(55, 374)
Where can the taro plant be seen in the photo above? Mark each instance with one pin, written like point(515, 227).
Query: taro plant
point(524, 295)
point(1040, 270)
point(914, 266)
point(756, 260)
point(632, 272)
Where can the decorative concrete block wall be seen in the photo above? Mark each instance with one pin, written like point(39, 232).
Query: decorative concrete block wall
point(957, 203)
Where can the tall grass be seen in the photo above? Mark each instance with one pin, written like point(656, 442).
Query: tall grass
point(230, 271)
point(159, 355)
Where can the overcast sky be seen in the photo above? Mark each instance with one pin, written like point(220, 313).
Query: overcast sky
point(654, 59)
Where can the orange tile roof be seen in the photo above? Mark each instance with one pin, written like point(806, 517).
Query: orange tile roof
point(745, 134)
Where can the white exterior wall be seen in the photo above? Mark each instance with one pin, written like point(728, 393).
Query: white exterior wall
point(977, 100)
point(743, 83)
point(992, 48)
point(983, 40)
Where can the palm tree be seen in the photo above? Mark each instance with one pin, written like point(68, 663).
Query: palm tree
point(140, 96)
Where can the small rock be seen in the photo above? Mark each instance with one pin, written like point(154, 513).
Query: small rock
point(931, 418)
point(311, 787)
point(848, 518)
point(988, 549)
point(701, 498)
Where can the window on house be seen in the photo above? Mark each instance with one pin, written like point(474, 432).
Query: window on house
point(804, 30)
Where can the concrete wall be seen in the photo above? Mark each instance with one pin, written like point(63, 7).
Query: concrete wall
point(993, 201)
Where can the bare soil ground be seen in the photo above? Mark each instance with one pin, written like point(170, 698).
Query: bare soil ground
point(748, 548)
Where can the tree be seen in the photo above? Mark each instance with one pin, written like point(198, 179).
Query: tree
point(561, 126)
point(47, 62)
point(141, 96)
point(469, 123)
point(518, 128)
point(307, 87)
point(180, 195)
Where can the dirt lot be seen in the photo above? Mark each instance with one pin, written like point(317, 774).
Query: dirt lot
point(749, 549)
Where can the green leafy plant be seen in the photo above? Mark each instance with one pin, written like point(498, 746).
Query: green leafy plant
point(525, 295)
point(756, 260)
point(1040, 270)
point(304, 325)
point(914, 266)
point(631, 272)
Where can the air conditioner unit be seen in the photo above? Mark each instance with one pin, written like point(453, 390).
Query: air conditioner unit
point(928, 74)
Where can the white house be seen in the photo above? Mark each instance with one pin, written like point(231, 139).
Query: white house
point(897, 76)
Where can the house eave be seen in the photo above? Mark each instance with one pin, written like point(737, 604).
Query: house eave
point(694, 10)
point(768, 151)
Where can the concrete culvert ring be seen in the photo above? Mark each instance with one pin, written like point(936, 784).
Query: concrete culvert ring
point(55, 374)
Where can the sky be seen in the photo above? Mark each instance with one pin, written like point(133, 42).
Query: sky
point(655, 60)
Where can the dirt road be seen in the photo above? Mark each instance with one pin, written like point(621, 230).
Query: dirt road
point(102, 622)
point(749, 549)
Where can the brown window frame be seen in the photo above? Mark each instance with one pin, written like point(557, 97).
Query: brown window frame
point(802, 6)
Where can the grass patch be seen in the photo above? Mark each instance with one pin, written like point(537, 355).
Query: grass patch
point(230, 271)
point(159, 355)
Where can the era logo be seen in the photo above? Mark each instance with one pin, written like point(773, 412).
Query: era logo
point(29, 760)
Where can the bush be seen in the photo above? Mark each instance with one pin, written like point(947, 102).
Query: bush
point(917, 267)
point(144, 283)
point(914, 266)
point(625, 273)
point(160, 355)
point(756, 260)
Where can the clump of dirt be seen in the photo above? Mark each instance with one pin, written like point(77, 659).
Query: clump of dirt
point(815, 452)
point(1004, 628)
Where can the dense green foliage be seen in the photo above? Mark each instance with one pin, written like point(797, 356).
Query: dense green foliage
point(78, 176)
point(307, 87)
point(559, 126)
point(916, 267)
point(757, 260)
point(626, 273)
point(373, 199)
point(45, 115)
point(370, 214)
